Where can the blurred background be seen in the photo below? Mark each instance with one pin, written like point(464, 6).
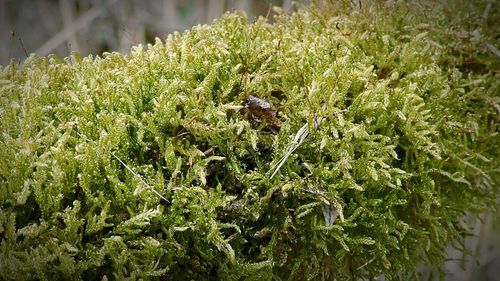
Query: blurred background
point(97, 26)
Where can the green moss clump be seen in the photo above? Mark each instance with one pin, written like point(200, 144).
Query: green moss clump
point(155, 166)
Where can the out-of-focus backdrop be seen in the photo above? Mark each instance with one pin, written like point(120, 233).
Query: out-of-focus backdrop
point(96, 26)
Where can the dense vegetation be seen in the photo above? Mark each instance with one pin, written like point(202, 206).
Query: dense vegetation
point(169, 163)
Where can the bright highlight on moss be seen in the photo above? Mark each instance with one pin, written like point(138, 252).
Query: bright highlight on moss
point(343, 141)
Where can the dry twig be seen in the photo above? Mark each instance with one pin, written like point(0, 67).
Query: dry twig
point(301, 135)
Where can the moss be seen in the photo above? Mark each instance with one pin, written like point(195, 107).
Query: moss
point(157, 165)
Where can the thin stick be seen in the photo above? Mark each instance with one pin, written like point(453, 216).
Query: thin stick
point(66, 8)
point(22, 46)
point(140, 178)
point(492, 48)
point(130, 170)
point(269, 10)
point(68, 31)
point(301, 135)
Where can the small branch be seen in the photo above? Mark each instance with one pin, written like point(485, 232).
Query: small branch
point(486, 11)
point(492, 48)
point(140, 178)
point(22, 46)
point(78, 24)
point(301, 135)
point(130, 170)
point(66, 9)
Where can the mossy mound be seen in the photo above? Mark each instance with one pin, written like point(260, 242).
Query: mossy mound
point(164, 164)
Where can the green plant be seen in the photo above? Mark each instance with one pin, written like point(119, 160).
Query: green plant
point(154, 166)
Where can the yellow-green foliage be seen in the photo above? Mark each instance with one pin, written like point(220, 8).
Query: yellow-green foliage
point(408, 98)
